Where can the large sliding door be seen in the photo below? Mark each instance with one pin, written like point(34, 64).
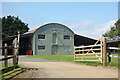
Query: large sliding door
point(54, 44)
point(54, 50)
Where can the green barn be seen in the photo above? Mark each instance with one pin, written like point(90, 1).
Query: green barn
point(52, 39)
point(49, 39)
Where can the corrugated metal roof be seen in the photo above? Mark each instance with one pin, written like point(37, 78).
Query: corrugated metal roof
point(82, 40)
point(44, 25)
point(31, 31)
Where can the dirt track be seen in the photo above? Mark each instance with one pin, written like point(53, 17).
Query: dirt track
point(66, 70)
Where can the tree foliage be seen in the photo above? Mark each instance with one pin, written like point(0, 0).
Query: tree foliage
point(114, 32)
point(11, 25)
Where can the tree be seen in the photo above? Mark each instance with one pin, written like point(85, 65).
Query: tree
point(114, 32)
point(11, 25)
point(117, 24)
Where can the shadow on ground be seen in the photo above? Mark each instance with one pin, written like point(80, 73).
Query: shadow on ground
point(11, 74)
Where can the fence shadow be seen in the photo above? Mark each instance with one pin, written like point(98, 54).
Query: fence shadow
point(11, 75)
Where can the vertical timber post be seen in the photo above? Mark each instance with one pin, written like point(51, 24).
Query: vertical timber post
point(14, 51)
point(14, 56)
point(101, 49)
point(5, 54)
point(109, 58)
point(18, 42)
point(74, 56)
point(83, 55)
point(104, 52)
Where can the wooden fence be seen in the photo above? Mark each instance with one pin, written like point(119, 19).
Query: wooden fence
point(109, 53)
point(15, 52)
point(96, 52)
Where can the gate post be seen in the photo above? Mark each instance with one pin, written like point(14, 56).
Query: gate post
point(14, 51)
point(104, 52)
point(74, 56)
point(101, 49)
point(109, 58)
point(5, 54)
point(18, 42)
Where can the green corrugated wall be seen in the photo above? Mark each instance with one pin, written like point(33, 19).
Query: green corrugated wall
point(54, 41)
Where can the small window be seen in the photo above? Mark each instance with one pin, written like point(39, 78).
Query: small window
point(66, 37)
point(41, 36)
point(41, 47)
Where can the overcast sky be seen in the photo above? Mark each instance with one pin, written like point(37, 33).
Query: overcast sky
point(90, 19)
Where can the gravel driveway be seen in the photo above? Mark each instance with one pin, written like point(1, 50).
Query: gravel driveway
point(57, 69)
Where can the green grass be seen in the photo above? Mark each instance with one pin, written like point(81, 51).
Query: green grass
point(114, 61)
point(70, 58)
point(3, 66)
point(8, 73)
point(9, 69)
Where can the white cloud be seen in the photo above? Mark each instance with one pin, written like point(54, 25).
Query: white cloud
point(80, 24)
point(86, 28)
point(102, 28)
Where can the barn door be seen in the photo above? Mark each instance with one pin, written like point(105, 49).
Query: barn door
point(54, 46)
point(54, 50)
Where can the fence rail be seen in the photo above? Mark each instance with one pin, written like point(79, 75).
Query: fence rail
point(6, 58)
point(88, 50)
point(96, 52)
point(115, 48)
point(88, 46)
point(109, 53)
point(15, 52)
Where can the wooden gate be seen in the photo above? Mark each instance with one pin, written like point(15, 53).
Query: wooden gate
point(96, 52)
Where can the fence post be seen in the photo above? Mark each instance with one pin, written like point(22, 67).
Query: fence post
point(101, 49)
point(14, 62)
point(104, 52)
point(18, 46)
point(109, 58)
point(14, 51)
point(74, 55)
point(5, 55)
point(83, 55)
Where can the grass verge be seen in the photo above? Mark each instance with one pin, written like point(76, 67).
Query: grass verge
point(9, 72)
point(70, 58)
